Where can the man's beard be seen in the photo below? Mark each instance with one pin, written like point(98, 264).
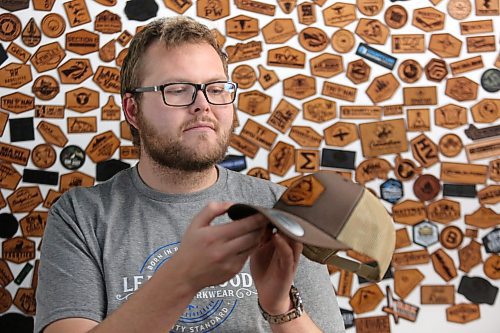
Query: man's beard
point(170, 152)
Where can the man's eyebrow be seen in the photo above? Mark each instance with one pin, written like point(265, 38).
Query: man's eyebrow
point(179, 80)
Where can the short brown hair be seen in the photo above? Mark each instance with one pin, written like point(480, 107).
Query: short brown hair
point(172, 32)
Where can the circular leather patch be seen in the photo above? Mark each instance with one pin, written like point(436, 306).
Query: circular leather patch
point(451, 237)
point(43, 156)
point(426, 187)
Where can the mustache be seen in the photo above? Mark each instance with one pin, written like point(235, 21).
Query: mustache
point(204, 119)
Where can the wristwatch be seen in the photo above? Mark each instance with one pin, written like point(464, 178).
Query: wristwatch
point(296, 312)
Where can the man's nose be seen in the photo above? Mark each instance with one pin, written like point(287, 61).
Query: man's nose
point(200, 102)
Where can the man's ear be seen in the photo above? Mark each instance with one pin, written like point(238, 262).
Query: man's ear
point(130, 109)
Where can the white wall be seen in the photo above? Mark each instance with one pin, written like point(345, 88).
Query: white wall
point(432, 318)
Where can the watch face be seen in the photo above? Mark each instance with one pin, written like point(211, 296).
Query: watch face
point(72, 157)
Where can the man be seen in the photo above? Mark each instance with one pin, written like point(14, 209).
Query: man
point(102, 244)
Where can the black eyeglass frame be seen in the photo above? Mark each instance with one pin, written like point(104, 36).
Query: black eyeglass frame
point(197, 86)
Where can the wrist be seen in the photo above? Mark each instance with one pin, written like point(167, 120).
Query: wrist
point(277, 308)
point(182, 276)
point(294, 313)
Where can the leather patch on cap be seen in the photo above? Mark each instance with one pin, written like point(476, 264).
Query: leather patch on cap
point(304, 192)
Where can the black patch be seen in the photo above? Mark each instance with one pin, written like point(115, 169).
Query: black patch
point(141, 10)
point(490, 80)
point(16, 322)
point(348, 317)
point(457, 190)
point(21, 129)
point(475, 133)
point(3, 55)
point(478, 290)
point(8, 225)
point(23, 273)
point(72, 157)
point(234, 162)
point(336, 158)
point(491, 241)
point(40, 177)
point(107, 169)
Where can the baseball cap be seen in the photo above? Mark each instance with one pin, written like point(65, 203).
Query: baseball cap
point(327, 213)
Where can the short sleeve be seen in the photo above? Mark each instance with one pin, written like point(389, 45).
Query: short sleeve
point(70, 276)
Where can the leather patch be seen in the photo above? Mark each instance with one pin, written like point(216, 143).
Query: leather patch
point(304, 192)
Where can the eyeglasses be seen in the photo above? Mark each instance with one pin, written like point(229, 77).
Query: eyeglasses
point(184, 94)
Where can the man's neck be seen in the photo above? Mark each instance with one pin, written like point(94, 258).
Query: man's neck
point(174, 181)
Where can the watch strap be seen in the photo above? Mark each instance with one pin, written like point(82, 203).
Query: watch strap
point(296, 312)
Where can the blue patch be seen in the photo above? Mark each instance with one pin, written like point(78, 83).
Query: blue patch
point(391, 190)
point(378, 57)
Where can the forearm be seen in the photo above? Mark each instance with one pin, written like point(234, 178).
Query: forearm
point(155, 307)
point(302, 324)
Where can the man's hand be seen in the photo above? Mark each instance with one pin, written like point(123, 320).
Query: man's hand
point(212, 254)
point(273, 266)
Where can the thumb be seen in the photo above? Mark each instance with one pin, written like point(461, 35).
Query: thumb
point(209, 213)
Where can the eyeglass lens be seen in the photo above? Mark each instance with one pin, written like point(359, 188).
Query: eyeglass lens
point(180, 94)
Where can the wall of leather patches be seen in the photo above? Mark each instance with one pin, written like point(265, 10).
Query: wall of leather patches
point(401, 96)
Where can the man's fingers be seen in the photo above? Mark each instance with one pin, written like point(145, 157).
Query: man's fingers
point(209, 213)
point(288, 249)
point(245, 243)
point(282, 246)
point(297, 250)
point(241, 227)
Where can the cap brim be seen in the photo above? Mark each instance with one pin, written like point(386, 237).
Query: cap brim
point(291, 225)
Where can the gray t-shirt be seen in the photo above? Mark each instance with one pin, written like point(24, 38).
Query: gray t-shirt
point(102, 243)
